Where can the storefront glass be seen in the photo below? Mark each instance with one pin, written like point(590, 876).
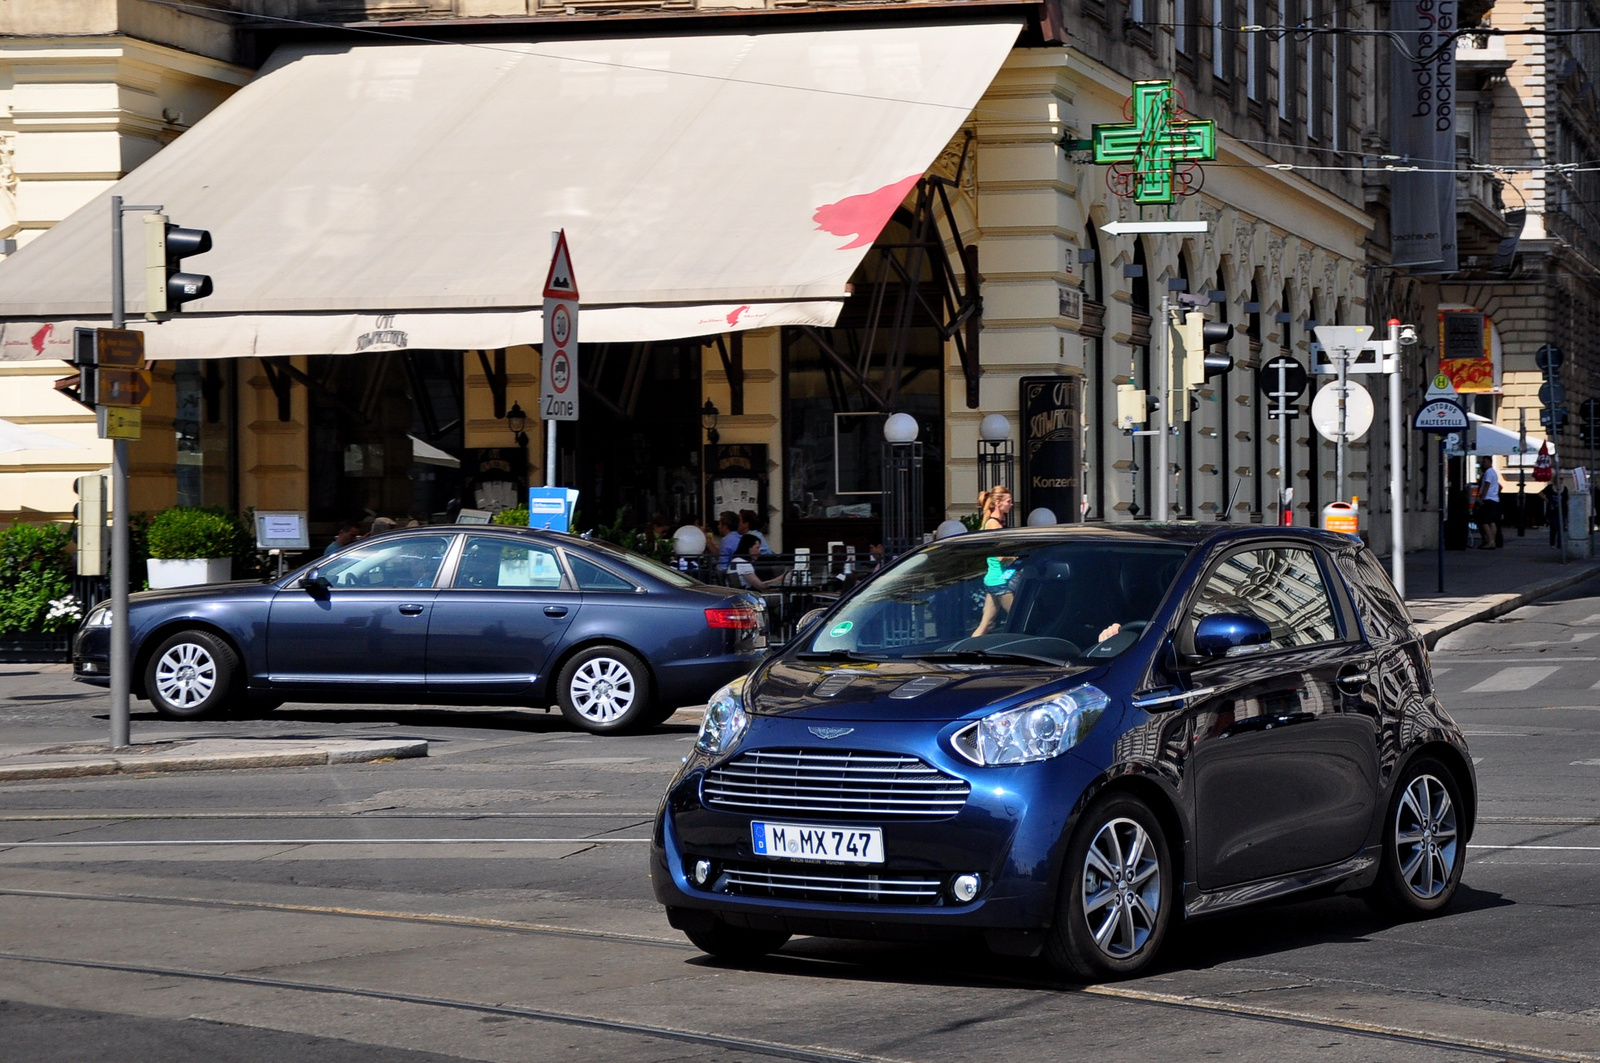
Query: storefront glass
point(206, 468)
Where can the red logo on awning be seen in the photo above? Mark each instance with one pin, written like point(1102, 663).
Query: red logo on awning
point(863, 216)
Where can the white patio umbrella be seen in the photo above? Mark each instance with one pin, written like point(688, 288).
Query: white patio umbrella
point(20, 437)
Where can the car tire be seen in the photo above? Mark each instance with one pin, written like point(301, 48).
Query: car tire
point(605, 690)
point(738, 943)
point(191, 675)
point(1423, 850)
point(1117, 893)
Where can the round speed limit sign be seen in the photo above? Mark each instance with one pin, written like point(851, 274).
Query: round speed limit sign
point(560, 325)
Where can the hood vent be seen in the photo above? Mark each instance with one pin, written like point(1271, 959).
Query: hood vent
point(832, 685)
point(920, 685)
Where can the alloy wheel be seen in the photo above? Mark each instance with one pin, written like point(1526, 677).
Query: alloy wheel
point(1425, 837)
point(603, 689)
point(186, 675)
point(1121, 888)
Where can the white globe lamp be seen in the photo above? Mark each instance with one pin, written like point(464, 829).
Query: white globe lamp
point(688, 541)
point(994, 428)
point(1041, 517)
point(948, 528)
point(901, 428)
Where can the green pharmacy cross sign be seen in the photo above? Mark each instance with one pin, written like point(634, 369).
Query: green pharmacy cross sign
point(1153, 158)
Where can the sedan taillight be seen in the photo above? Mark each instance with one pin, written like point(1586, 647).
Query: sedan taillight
point(741, 618)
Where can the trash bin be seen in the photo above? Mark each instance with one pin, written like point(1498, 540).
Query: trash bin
point(1342, 517)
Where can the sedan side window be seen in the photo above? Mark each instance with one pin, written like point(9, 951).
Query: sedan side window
point(1279, 585)
point(493, 563)
point(389, 564)
point(591, 577)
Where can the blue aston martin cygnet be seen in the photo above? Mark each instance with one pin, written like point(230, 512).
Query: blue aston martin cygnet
point(1061, 740)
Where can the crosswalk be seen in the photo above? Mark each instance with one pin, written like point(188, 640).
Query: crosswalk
point(1514, 678)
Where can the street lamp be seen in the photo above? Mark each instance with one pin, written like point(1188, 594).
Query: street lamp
point(708, 421)
point(902, 485)
point(997, 461)
point(517, 421)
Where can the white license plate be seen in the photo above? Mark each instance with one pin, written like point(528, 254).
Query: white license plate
point(799, 841)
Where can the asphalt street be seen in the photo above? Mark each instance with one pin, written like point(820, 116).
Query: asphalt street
point(491, 902)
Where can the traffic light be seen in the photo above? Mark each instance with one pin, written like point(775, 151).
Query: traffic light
point(165, 247)
point(90, 515)
point(1196, 334)
point(85, 356)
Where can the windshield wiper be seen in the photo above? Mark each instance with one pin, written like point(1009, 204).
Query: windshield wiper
point(987, 655)
point(837, 655)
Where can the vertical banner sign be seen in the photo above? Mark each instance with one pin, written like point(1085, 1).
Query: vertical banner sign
point(1052, 455)
point(1422, 131)
point(1466, 354)
point(558, 364)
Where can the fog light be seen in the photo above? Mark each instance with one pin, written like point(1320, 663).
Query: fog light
point(964, 888)
point(702, 872)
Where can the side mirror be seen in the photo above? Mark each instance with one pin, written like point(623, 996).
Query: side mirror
point(315, 583)
point(1220, 634)
point(809, 619)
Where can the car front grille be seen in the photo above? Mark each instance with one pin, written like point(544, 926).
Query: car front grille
point(843, 783)
point(832, 884)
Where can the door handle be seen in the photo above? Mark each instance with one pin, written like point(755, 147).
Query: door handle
point(412, 610)
point(1156, 697)
point(555, 610)
point(1352, 682)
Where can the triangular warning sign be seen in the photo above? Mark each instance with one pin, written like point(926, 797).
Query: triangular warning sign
point(561, 284)
point(1440, 388)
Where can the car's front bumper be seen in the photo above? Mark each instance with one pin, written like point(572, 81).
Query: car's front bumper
point(91, 656)
point(1009, 832)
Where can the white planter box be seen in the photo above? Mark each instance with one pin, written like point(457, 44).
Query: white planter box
point(188, 572)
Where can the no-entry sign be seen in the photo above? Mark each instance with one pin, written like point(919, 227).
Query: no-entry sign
point(558, 368)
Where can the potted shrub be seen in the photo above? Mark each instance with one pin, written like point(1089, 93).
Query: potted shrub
point(190, 545)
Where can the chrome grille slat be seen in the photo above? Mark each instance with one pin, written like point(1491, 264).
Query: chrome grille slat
point(893, 888)
point(841, 783)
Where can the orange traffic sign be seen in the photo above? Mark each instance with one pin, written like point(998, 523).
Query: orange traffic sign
point(123, 387)
point(120, 347)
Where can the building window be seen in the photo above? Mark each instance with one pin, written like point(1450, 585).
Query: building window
point(1314, 75)
point(1221, 42)
point(206, 469)
point(1183, 12)
point(1288, 66)
point(1255, 53)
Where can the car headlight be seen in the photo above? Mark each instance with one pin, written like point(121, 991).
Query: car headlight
point(1036, 731)
point(100, 616)
point(725, 721)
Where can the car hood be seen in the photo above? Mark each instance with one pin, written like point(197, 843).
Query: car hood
point(897, 690)
point(207, 592)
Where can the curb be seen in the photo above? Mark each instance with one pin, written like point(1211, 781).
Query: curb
point(140, 765)
point(1492, 605)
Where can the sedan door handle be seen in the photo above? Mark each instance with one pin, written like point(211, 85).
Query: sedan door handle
point(412, 610)
point(555, 610)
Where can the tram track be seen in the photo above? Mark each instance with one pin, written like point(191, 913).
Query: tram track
point(1253, 1011)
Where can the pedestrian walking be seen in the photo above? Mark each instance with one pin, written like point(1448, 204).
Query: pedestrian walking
point(1488, 509)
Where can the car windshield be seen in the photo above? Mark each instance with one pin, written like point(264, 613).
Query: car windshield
point(1007, 598)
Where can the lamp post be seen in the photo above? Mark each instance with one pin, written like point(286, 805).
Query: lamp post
point(902, 485)
point(997, 460)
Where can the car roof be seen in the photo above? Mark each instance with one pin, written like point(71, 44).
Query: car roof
point(1187, 533)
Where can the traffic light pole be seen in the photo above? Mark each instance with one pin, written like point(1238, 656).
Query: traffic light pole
point(1163, 469)
point(1344, 410)
point(121, 665)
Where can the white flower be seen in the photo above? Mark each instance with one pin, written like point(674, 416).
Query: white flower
point(65, 609)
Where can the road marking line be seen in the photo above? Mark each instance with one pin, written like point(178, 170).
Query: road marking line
point(1544, 848)
point(1507, 679)
point(1595, 763)
point(1592, 618)
point(1440, 669)
point(327, 841)
point(1586, 636)
point(1496, 734)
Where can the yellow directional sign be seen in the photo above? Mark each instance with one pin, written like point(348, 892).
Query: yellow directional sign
point(121, 422)
point(121, 347)
point(123, 387)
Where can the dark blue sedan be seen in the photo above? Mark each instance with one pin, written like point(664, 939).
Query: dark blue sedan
point(1062, 740)
point(443, 615)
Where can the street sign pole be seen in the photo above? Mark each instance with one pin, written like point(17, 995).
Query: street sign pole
point(1344, 435)
point(121, 685)
point(1522, 470)
point(1397, 526)
point(1283, 443)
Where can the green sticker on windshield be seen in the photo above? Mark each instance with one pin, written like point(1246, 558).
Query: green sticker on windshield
point(841, 629)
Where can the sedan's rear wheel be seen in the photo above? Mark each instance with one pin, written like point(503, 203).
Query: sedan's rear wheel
point(605, 689)
point(1116, 893)
point(1423, 850)
point(190, 675)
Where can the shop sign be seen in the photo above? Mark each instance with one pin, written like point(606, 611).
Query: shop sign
point(1052, 456)
point(1466, 354)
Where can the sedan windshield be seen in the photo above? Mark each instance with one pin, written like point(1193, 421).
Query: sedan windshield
point(1006, 600)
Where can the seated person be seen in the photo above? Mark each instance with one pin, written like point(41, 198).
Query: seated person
point(743, 565)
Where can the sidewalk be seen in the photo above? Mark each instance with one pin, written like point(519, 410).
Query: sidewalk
point(18, 763)
point(1482, 584)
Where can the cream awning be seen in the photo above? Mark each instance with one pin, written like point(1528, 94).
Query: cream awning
point(403, 196)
